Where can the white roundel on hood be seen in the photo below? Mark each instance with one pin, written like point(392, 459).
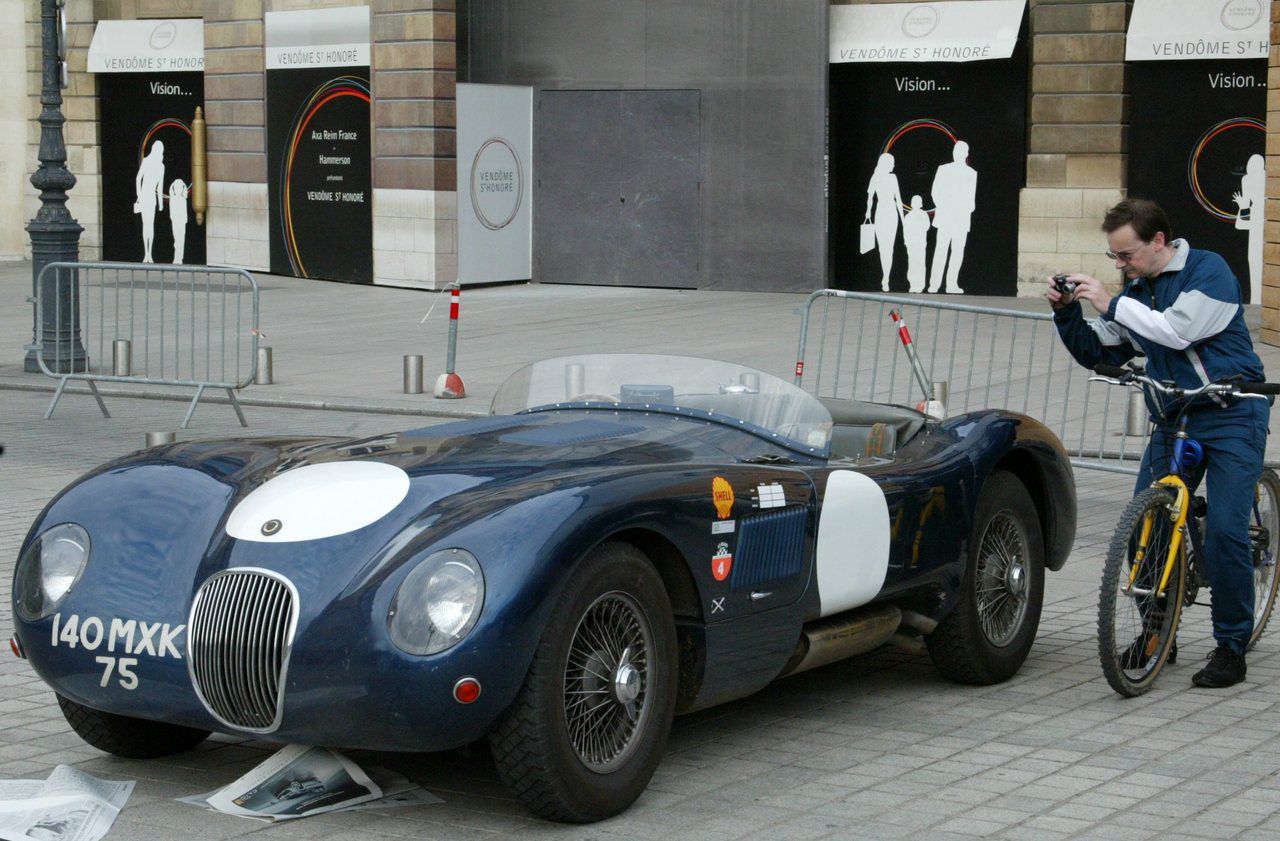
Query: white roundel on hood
point(319, 500)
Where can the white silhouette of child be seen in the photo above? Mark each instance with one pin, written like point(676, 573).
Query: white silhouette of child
point(915, 232)
point(178, 192)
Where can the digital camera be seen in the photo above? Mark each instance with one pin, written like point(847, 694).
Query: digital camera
point(1064, 286)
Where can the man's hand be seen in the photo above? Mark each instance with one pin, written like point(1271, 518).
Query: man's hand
point(1087, 289)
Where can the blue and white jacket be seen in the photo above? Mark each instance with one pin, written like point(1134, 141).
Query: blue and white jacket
point(1188, 321)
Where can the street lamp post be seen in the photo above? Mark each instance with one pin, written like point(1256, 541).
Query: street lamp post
point(55, 235)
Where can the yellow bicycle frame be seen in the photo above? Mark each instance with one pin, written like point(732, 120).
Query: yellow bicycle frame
point(1182, 498)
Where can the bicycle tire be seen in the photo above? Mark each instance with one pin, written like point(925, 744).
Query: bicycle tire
point(1265, 580)
point(1119, 630)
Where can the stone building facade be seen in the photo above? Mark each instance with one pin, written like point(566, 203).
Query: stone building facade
point(1075, 168)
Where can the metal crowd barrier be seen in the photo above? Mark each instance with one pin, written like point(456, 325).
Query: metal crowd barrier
point(147, 323)
point(990, 358)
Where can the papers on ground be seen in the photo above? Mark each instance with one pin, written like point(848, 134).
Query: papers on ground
point(69, 806)
point(300, 781)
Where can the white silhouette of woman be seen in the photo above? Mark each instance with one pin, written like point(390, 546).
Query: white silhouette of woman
point(178, 192)
point(149, 183)
point(1251, 216)
point(883, 192)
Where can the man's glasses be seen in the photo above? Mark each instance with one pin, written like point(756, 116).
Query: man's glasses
point(1125, 256)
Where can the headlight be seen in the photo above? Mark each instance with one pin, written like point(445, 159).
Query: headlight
point(438, 603)
point(48, 569)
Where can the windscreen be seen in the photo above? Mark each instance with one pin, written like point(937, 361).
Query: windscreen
point(724, 392)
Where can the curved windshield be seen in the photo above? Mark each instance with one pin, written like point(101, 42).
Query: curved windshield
point(721, 391)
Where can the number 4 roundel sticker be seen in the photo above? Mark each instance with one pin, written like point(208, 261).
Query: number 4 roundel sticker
point(721, 562)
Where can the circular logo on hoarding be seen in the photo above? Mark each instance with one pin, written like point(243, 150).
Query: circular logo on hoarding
point(1241, 14)
point(920, 21)
point(163, 35)
point(497, 183)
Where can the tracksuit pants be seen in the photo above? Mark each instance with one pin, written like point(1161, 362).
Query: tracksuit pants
point(1234, 441)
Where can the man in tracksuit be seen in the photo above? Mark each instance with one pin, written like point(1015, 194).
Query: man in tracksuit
point(1180, 306)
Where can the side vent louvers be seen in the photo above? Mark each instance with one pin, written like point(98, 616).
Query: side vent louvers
point(770, 547)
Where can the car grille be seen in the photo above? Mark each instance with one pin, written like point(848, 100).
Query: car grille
point(238, 641)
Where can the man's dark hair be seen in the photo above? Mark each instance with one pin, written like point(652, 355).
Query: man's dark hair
point(1146, 217)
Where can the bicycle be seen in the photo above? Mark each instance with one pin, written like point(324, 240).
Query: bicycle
point(1153, 567)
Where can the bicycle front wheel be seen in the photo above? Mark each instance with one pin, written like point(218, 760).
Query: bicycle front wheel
point(1137, 623)
point(1264, 539)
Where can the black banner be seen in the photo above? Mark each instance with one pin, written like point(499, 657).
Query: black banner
point(926, 164)
point(319, 173)
point(1199, 151)
point(146, 167)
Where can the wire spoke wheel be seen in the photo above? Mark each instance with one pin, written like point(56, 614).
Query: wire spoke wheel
point(1137, 621)
point(1264, 538)
point(1002, 579)
point(606, 681)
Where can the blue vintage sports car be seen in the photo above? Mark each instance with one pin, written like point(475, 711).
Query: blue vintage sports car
point(626, 538)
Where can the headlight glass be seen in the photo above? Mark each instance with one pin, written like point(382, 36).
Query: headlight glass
point(438, 603)
point(48, 569)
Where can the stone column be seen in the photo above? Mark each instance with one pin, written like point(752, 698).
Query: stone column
point(234, 87)
point(1271, 254)
point(1078, 143)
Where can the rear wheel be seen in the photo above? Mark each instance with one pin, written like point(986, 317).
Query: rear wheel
point(988, 635)
point(1264, 537)
point(133, 738)
point(1137, 622)
point(588, 728)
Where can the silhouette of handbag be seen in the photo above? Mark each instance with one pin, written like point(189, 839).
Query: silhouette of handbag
point(137, 206)
point(866, 237)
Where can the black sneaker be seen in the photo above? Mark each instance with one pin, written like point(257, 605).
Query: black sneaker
point(1226, 668)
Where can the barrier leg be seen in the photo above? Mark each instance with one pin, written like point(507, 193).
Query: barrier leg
point(191, 410)
point(235, 404)
point(57, 394)
point(97, 396)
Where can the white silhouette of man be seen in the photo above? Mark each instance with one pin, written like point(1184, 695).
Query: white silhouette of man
point(915, 232)
point(149, 184)
point(178, 192)
point(1252, 200)
point(955, 190)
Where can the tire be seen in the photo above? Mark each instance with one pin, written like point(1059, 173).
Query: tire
point(611, 635)
point(1123, 618)
point(1266, 546)
point(132, 738)
point(988, 635)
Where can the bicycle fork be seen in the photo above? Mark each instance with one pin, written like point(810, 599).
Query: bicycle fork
point(1178, 514)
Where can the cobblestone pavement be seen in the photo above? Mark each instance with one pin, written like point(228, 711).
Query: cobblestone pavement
point(876, 747)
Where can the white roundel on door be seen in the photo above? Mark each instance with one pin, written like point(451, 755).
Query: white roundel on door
point(319, 500)
point(853, 542)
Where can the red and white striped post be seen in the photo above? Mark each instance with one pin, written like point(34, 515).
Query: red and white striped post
point(449, 384)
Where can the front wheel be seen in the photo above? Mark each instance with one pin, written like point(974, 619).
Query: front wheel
point(988, 635)
point(1137, 621)
point(133, 738)
point(588, 728)
point(1264, 539)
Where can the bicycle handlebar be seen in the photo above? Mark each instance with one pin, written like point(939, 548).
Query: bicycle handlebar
point(1129, 376)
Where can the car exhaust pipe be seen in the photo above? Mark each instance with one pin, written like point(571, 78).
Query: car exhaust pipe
point(844, 635)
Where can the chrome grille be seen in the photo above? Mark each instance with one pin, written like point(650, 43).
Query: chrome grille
point(238, 641)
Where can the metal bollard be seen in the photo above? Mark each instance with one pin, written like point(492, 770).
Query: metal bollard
point(263, 377)
point(122, 358)
point(413, 373)
point(939, 391)
point(575, 379)
point(155, 439)
point(1135, 416)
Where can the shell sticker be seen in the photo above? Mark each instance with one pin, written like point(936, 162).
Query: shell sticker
point(721, 562)
point(722, 496)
